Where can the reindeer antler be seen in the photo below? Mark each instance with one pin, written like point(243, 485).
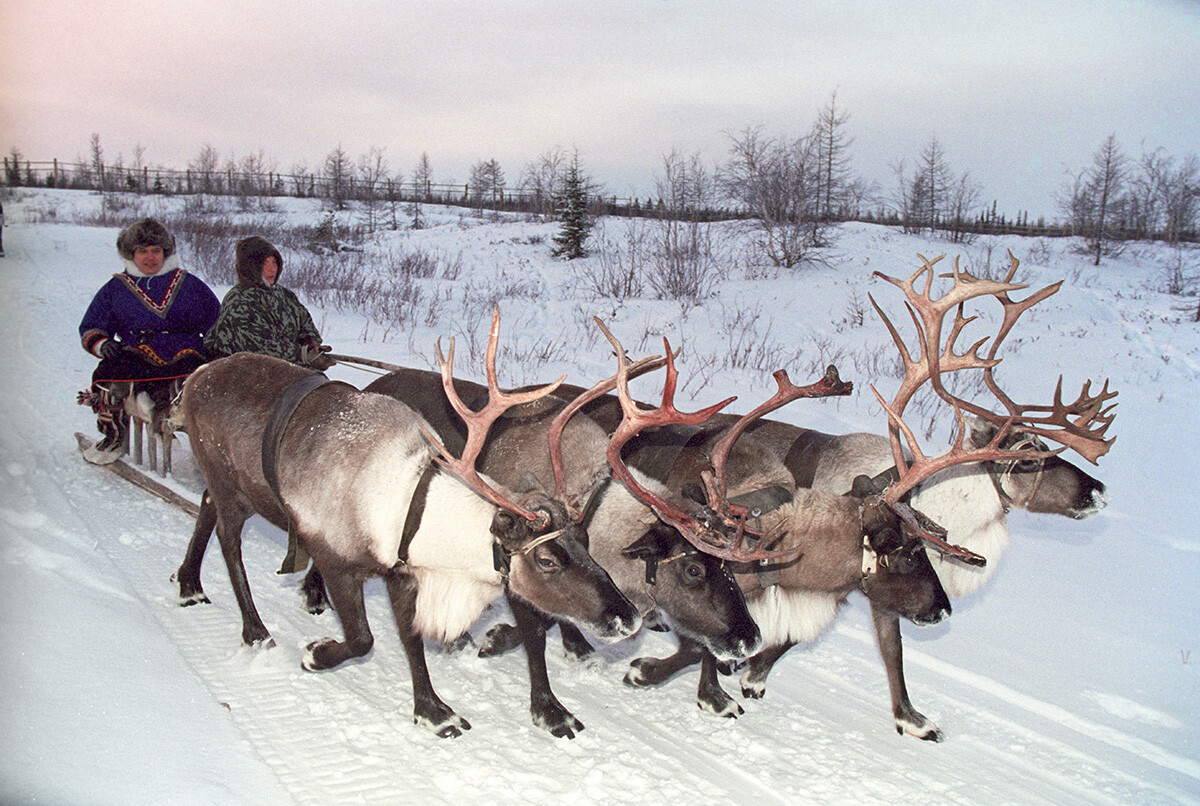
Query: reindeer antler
point(479, 423)
point(928, 314)
point(704, 536)
point(559, 423)
point(830, 385)
point(712, 536)
point(1080, 425)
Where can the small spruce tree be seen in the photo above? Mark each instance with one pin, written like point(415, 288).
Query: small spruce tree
point(570, 241)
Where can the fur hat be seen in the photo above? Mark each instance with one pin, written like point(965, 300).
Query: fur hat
point(146, 232)
point(251, 253)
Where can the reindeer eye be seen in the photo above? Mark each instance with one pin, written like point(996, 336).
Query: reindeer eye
point(695, 571)
point(547, 564)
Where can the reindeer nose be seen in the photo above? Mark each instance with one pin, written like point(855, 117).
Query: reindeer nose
point(626, 625)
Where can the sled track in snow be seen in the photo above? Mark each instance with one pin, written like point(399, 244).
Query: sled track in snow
point(334, 736)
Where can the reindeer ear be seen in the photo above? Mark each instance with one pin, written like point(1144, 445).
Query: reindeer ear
point(763, 500)
point(504, 525)
point(864, 486)
point(886, 540)
point(649, 545)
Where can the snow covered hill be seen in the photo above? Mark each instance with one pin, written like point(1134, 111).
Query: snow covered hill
point(1074, 677)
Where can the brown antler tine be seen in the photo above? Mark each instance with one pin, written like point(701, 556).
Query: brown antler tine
point(480, 422)
point(702, 536)
point(559, 423)
point(829, 385)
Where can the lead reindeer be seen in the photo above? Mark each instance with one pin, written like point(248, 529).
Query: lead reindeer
point(357, 481)
point(971, 500)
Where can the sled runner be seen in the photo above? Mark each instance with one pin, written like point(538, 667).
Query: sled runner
point(142, 480)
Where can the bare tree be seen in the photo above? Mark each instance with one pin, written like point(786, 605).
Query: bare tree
point(931, 198)
point(833, 161)
point(372, 180)
point(544, 179)
point(205, 168)
point(96, 153)
point(962, 200)
point(1093, 201)
point(301, 179)
point(1107, 177)
point(777, 180)
point(422, 178)
point(686, 256)
point(487, 181)
point(1166, 200)
point(339, 173)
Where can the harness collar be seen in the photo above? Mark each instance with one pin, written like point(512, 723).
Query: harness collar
point(998, 476)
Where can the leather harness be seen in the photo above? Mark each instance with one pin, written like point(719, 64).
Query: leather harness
point(286, 405)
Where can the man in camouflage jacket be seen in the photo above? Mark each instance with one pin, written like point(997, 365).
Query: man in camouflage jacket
point(260, 316)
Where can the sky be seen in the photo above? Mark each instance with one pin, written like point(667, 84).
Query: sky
point(1019, 94)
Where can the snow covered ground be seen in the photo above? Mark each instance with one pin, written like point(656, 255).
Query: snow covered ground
point(1074, 677)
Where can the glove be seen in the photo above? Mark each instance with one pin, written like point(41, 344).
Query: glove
point(314, 356)
point(110, 348)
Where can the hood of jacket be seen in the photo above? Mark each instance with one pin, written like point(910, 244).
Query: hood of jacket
point(250, 254)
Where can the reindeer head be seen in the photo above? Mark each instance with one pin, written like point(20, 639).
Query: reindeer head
point(540, 545)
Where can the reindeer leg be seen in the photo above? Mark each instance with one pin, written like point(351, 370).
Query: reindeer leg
point(500, 639)
point(188, 575)
point(230, 519)
point(908, 719)
point(313, 589)
point(655, 671)
point(754, 679)
point(574, 644)
point(346, 591)
point(429, 711)
point(710, 696)
point(505, 637)
point(547, 711)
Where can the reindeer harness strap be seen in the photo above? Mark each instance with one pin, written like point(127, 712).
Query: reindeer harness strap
point(281, 413)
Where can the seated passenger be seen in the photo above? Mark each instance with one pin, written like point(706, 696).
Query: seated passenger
point(260, 316)
point(146, 325)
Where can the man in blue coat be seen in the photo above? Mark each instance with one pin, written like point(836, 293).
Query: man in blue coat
point(146, 325)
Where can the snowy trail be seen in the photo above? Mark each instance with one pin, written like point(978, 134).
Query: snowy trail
point(338, 735)
point(115, 694)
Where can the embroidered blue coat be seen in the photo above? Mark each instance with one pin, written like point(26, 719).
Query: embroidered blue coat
point(163, 317)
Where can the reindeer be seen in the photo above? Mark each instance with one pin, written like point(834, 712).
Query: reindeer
point(354, 477)
point(970, 500)
point(659, 571)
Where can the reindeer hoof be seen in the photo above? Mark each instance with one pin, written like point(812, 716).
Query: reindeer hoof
point(311, 662)
point(498, 640)
point(644, 672)
point(924, 730)
point(561, 724)
point(193, 599)
point(449, 726)
point(726, 708)
point(753, 691)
